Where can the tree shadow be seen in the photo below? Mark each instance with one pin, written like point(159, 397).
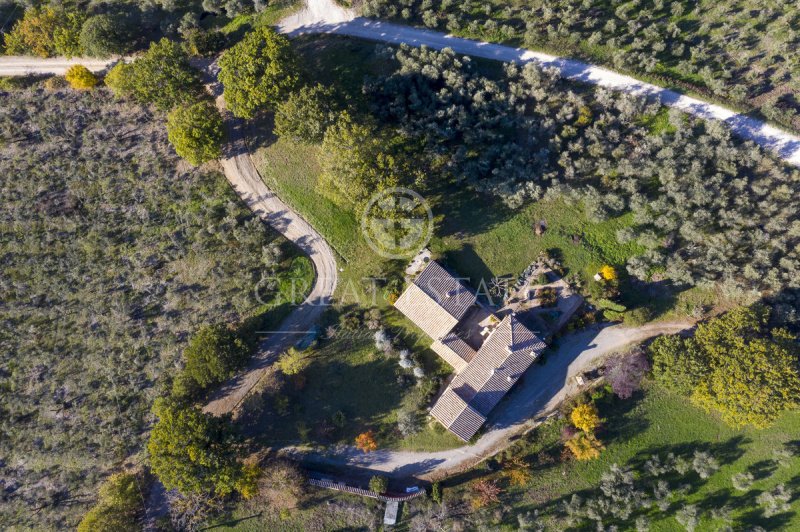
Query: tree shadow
point(466, 261)
point(756, 517)
point(762, 469)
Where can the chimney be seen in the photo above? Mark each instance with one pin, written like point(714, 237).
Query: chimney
point(510, 378)
point(510, 348)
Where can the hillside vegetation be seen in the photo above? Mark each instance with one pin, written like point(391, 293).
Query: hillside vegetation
point(114, 254)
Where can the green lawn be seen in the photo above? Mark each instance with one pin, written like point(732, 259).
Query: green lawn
point(659, 422)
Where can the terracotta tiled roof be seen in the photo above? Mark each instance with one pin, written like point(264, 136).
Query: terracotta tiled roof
point(446, 290)
point(435, 301)
point(502, 359)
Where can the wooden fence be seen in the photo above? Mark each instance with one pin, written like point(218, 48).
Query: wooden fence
point(339, 486)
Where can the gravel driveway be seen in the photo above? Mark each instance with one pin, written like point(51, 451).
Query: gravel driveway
point(540, 392)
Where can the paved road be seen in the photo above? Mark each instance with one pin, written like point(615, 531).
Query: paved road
point(541, 391)
point(324, 16)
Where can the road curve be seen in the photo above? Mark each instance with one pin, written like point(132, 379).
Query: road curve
point(244, 178)
point(324, 16)
point(543, 388)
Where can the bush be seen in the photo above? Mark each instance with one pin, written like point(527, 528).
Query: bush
point(204, 43)
point(585, 417)
point(196, 132)
point(257, 72)
point(585, 446)
point(625, 373)
point(119, 506)
point(637, 317)
point(306, 114)
point(213, 354)
point(81, 78)
point(105, 35)
point(378, 484)
point(55, 83)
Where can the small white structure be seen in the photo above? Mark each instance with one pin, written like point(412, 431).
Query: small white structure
point(419, 261)
point(390, 515)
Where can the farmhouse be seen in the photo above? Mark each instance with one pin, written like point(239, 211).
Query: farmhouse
point(488, 354)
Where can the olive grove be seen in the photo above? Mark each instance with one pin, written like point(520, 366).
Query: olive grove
point(707, 207)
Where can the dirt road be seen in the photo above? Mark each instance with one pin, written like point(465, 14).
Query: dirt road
point(244, 178)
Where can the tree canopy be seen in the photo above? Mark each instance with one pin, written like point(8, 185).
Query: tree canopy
point(735, 365)
point(161, 76)
point(119, 506)
point(196, 132)
point(257, 72)
point(105, 35)
point(213, 353)
point(191, 451)
point(306, 114)
point(45, 31)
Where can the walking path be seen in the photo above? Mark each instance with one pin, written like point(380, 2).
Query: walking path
point(324, 16)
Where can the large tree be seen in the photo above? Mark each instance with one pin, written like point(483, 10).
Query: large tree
point(161, 76)
point(106, 35)
point(359, 160)
point(213, 353)
point(257, 72)
point(45, 31)
point(192, 451)
point(306, 114)
point(735, 365)
point(196, 132)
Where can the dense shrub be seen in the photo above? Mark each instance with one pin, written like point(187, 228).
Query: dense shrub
point(196, 132)
point(113, 256)
point(81, 78)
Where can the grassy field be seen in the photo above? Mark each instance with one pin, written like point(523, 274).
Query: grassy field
point(659, 422)
point(349, 388)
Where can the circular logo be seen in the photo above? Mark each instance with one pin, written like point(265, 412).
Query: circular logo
point(397, 223)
